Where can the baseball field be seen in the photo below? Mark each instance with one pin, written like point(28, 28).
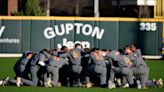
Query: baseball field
point(6, 69)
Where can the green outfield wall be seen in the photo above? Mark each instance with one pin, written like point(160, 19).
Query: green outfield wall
point(18, 34)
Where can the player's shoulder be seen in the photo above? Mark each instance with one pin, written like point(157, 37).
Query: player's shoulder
point(138, 50)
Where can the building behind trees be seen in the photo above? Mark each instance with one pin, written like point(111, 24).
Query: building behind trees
point(83, 8)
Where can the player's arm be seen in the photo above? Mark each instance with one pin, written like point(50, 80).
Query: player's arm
point(42, 59)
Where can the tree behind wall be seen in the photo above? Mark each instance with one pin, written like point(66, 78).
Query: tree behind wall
point(33, 8)
point(29, 8)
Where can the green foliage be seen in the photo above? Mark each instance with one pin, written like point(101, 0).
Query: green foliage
point(20, 13)
point(32, 8)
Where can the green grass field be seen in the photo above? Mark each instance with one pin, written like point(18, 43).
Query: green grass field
point(6, 69)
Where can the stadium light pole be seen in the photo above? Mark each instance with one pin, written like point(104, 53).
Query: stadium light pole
point(48, 8)
point(96, 8)
point(77, 12)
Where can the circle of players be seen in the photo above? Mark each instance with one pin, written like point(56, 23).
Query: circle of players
point(80, 67)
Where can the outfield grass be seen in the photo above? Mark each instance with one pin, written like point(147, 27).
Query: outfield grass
point(6, 69)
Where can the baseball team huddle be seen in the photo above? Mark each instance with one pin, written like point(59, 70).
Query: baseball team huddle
point(78, 67)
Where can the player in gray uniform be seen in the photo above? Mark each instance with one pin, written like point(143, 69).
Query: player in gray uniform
point(123, 68)
point(20, 67)
point(37, 62)
point(74, 56)
point(137, 53)
point(140, 69)
point(53, 66)
point(64, 71)
point(97, 67)
point(136, 50)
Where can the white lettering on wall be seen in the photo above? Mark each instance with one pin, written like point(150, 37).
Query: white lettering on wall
point(69, 27)
point(58, 31)
point(1, 30)
point(78, 27)
point(62, 29)
point(98, 33)
point(87, 29)
point(49, 33)
point(148, 26)
point(70, 44)
point(7, 40)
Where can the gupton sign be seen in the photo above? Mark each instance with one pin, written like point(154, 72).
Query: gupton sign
point(79, 28)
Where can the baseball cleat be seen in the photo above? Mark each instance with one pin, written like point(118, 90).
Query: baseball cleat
point(111, 85)
point(138, 84)
point(1, 81)
point(159, 82)
point(18, 81)
point(88, 85)
point(5, 81)
point(125, 85)
point(119, 82)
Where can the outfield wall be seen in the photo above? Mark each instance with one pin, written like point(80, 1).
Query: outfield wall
point(18, 34)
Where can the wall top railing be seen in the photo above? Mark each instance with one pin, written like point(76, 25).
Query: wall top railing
point(79, 18)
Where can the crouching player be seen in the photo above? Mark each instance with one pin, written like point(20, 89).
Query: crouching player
point(124, 68)
point(140, 69)
point(96, 67)
point(37, 66)
point(21, 68)
point(53, 66)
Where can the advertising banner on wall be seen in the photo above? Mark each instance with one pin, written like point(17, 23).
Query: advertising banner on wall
point(18, 35)
point(10, 36)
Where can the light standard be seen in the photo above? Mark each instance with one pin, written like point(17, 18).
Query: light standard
point(48, 8)
point(96, 8)
point(77, 8)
